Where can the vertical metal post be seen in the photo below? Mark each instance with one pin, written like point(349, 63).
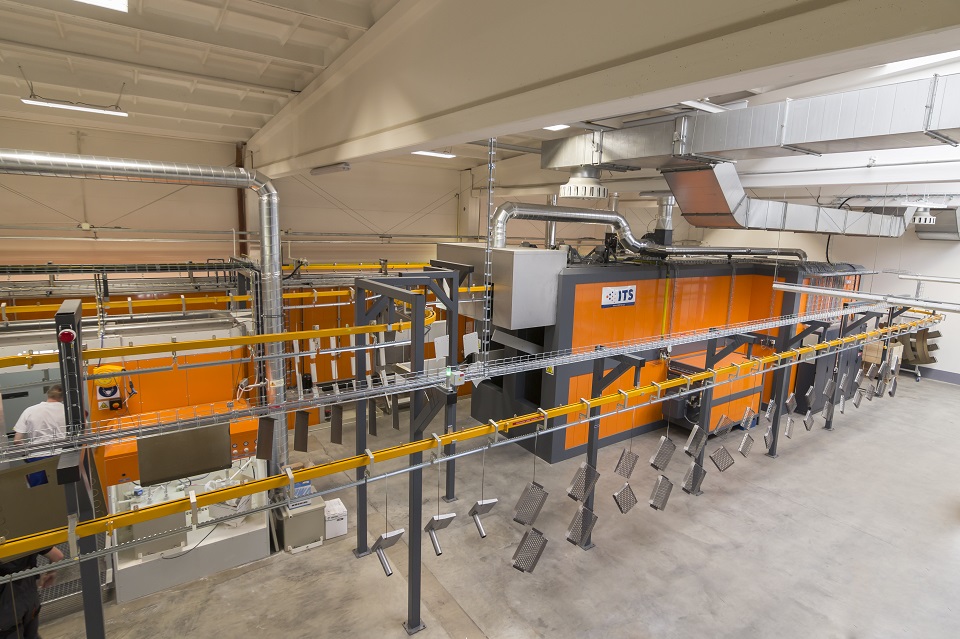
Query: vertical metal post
point(593, 434)
point(835, 399)
point(487, 327)
point(360, 426)
point(450, 410)
point(75, 476)
point(414, 623)
point(706, 397)
point(790, 305)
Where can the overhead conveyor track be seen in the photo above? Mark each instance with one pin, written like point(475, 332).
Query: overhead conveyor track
point(651, 393)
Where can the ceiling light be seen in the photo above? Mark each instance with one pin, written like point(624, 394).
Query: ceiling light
point(435, 154)
point(73, 106)
point(556, 127)
point(703, 106)
point(116, 5)
point(340, 167)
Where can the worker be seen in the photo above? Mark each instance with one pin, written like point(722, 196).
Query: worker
point(20, 599)
point(43, 422)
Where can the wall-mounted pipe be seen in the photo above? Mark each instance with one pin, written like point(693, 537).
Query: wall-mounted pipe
point(128, 170)
point(520, 211)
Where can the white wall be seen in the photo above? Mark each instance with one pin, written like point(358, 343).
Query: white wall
point(376, 198)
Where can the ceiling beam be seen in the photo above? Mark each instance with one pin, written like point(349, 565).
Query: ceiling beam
point(181, 30)
point(142, 62)
point(339, 13)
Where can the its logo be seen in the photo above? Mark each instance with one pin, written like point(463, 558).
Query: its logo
point(618, 296)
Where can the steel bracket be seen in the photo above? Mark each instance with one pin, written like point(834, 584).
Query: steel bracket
point(194, 511)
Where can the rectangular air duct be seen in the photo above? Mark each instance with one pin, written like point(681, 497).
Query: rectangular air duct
point(945, 226)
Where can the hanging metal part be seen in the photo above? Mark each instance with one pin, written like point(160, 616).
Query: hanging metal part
point(827, 413)
point(482, 507)
point(858, 397)
point(529, 551)
point(663, 454)
point(881, 387)
point(696, 441)
point(578, 532)
point(745, 445)
point(583, 483)
point(809, 394)
point(788, 428)
point(808, 419)
point(625, 498)
point(438, 522)
point(383, 542)
point(768, 414)
point(747, 420)
point(768, 437)
point(858, 377)
point(843, 403)
point(661, 493)
point(829, 388)
point(627, 462)
point(722, 459)
point(893, 387)
point(693, 479)
point(791, 403)
point(530, 503)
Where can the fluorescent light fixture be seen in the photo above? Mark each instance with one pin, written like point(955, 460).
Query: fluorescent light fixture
point(913, 63)
point(116, 5)
point(704, 106)
point(435, 154)
point(70, 106)
point(556, 127)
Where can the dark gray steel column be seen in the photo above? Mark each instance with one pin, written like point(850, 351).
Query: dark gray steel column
point(593, 434)
point(73, 471)
point(828, 424)
point(450, 410)
point(790, 305)
point(360, 319)
point(414, 623)
point(706, 397)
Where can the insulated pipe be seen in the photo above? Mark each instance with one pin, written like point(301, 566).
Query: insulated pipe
point(516, 210)
point(127, 170)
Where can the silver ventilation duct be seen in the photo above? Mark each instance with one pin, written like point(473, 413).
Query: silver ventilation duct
point(520, 211)
point(584, 184)
point(908, 114)
point(126, 170)
point(713, 197)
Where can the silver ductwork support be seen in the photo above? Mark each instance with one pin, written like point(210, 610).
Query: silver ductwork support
point(713, 197)
point(519, 211)
point(127, 170)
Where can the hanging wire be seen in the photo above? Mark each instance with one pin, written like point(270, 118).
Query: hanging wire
point(483, 469)
point(536, 438)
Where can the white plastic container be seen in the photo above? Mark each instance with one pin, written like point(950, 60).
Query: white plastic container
point(336, 516)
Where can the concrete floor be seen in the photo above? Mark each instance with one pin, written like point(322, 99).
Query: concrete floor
point(853, 533)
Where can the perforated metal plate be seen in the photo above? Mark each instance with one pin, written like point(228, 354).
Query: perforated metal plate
point(583, 482)
point(663, 453)
point(768, 414)
point(868, 392)
point(788, 428)
point(578, 533)
point(843, 380)
point(884, 367)
point(768, 437)
point(872, 371)
point(627, 462)
point(843, 404)
point(747, 420)
point(893, 387)
point(625, 498)
point(858, 377)
point(827, 410)
point(661, 493)
point(808, 419)
point(721, 458)
point(791, 402)
point(696, 441)
point(745, 444)
point(724, 424)
point(531, 501)
point(881, 388)
point(693, 479)
point(829, 387)
point(857, 398)
point(529, 551)
point(809, 394)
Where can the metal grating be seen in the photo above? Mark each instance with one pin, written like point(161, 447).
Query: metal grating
point(872, 371)
point(724, 424)
point(578, 533)
point(791, 403)
point(529, 551)
point(661, 493)
point(747, 420)
point(696, 441)
point(627, 462)
point(788, 428)
point(843, 380)
point(843, 403)
point(693, 479)
point(884, 367)
point(829, 387)
point(808, 419)
point(663, 454)
point(531, 501)
point(768, 414)
point(809, 394)
point(721, 458)
point(745, 445)
point(625, 498)
point(827, 411)
point(868, 392)
point(881, 387)
point(583, 482)
point(768, 437)
point(893, 387)
point(858, 377)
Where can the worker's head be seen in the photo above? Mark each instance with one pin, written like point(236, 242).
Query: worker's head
point(55, 393)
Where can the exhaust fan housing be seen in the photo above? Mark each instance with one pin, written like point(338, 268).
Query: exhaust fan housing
point(584, 184)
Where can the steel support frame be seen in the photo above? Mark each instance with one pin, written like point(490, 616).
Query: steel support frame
point(601, 381)
point(391, 290)
point(786, 339)
point(74, 468)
